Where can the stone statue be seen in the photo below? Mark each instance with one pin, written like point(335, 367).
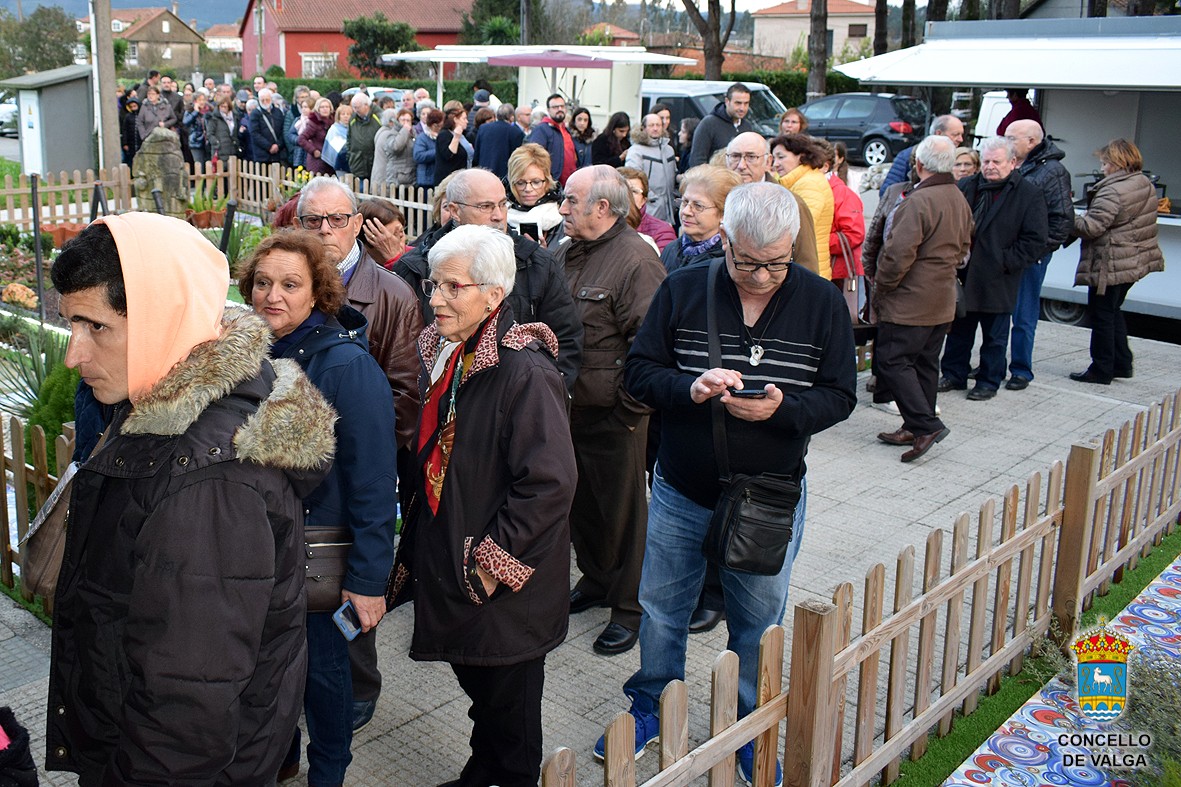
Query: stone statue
point(159, 164)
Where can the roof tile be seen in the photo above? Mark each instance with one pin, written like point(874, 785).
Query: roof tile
point(835, 8)
point(425, 17)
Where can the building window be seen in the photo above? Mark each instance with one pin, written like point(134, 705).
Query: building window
point(858, 31)
point(116, 26)
point(166, 54)
point(81, 53)
point(165, 26)
point(132, 54)
point(315, 64)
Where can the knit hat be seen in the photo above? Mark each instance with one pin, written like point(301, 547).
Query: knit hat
point(482, 96)
point(243, 95)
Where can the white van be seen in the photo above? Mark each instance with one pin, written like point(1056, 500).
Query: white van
point(696, 98)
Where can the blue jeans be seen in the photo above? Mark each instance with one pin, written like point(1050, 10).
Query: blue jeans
point(328, 702)
point(1025, 314)
point(674, 570)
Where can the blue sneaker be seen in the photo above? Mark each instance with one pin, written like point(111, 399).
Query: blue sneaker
point(746, 765)
point(647, 730)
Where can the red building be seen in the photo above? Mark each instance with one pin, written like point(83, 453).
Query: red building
point(303, 36)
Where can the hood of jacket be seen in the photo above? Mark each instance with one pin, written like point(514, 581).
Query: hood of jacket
point(292, 427)
point(720, 111)
point(176, 293)
point(348, 326)
point(641, 137)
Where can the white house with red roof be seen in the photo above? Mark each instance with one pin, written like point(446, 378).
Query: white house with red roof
point(303, 36)
point(781, 28)
point(224, 38)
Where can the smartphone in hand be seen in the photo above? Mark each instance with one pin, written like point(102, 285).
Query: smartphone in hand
point(347, 620)
point(747, 393)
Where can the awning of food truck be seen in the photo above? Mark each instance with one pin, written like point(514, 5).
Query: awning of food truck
point(1130, 53)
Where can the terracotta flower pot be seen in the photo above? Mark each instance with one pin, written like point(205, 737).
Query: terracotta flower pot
point(62, 232)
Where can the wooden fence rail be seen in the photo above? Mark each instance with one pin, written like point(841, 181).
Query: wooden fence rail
point(26, 476)
point(259, 189)
point(1057, 541)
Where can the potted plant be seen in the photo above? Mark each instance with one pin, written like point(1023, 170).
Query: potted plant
point(205, 209)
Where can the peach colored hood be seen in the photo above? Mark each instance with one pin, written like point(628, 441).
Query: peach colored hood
point(176, 282)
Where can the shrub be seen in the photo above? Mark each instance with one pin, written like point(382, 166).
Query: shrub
point(54, 407)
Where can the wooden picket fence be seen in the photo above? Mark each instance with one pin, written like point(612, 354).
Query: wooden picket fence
point(1056, 543)
point(259, 189)
point(27, 474)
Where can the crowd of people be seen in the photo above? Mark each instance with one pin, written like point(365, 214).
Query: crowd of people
point(537, 371)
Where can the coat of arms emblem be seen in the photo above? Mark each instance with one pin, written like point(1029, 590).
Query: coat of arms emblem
point(1102, 673)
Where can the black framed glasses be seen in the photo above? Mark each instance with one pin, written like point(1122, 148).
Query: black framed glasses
point(749, 266)
point(336, 221)
point(520, 185)
point(450, 289)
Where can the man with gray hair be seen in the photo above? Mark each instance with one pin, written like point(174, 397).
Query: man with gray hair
point(363, 128)
point(612, 273)
point(1040, 162)
point(1011, 228)
point(943, 126)
point(266, 129)
point(914, 294)
point(785, 337)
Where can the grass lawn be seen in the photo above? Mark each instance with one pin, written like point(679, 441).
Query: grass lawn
point(944, 755)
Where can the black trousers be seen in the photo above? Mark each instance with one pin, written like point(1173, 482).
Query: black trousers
point(506, 723)
point(1109, 333)
point(609, 516)
point(908, 363)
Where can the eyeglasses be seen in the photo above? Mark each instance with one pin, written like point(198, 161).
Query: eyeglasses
point(336, 221)
point(553, 107)
point(747, 266)
point(450, 289)
point(484, 207)
point(751, 158)
point(696, 207)
point(528, 184)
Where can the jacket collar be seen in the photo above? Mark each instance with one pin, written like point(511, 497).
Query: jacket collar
point(292, 426)
point(586, 246)
point(938, 179)
point(504, 332)
point(363, 286)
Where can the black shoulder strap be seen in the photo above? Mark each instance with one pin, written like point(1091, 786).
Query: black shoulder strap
point(717, 412)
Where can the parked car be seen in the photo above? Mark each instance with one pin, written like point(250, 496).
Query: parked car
point(8, 115)
point(696, 98)
point(874, 127)
point(375, 92)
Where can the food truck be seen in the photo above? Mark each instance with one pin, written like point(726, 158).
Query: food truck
point(1093, 80)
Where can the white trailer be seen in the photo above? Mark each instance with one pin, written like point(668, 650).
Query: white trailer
point(1094, 80)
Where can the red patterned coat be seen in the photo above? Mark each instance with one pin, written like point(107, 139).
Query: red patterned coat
point(504, 507)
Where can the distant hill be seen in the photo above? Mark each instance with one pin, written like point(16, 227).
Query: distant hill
point(206, 12)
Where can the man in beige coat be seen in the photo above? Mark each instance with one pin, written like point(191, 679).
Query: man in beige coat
point(915, 294)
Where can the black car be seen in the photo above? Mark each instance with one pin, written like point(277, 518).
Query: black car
point(874, 127)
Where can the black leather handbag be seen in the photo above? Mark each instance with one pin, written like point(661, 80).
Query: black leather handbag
point(326, 555)
point(752, 522)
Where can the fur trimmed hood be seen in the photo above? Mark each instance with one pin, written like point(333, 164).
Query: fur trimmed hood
point(292, 427)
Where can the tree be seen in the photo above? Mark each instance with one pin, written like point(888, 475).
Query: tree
point(47, 39)
point(9, 35)
point(881, 27)
point(499, 30)
point(908, 37)
point(373, 37)
point(119, 45)
point(472, 26)
point(818, 50)
point(709, 27)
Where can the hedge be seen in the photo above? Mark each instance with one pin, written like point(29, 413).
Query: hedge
point(791, 86)
point(459, 89)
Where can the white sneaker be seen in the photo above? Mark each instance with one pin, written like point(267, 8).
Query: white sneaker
point(892, 408)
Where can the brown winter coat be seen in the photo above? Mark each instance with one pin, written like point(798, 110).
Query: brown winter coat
point(931, 235)
point(612, 279)
point(391, 308)
point(1118, 232)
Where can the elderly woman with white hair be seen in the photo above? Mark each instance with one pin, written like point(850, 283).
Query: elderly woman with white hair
point(486, 548)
